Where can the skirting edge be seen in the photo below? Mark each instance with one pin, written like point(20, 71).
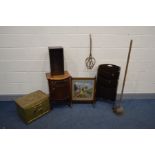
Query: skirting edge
point(125, 96)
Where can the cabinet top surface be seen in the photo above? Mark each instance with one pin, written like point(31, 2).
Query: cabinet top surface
point(58, 77)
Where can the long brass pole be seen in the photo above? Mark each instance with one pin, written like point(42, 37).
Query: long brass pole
point(118, 109)
point(126, 70)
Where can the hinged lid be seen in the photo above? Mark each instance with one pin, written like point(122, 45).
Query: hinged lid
point(31, 99)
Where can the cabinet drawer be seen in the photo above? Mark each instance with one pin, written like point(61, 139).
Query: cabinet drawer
point(58, 83)
point(63, 83)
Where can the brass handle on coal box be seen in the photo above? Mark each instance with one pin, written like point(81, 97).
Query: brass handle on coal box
point(37, 108)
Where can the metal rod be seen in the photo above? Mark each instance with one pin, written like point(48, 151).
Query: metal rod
point(126, 70)
point(90, 44)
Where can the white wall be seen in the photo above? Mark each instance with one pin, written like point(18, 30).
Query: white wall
point(24, 58)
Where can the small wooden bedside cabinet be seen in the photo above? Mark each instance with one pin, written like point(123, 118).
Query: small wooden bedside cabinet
point(59, 88)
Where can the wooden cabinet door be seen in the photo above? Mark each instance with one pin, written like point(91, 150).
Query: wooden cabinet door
point(60, 90)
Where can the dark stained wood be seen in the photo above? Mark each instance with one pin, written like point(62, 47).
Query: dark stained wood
point(107, 81)
point(59, 87)
point(56, 60)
